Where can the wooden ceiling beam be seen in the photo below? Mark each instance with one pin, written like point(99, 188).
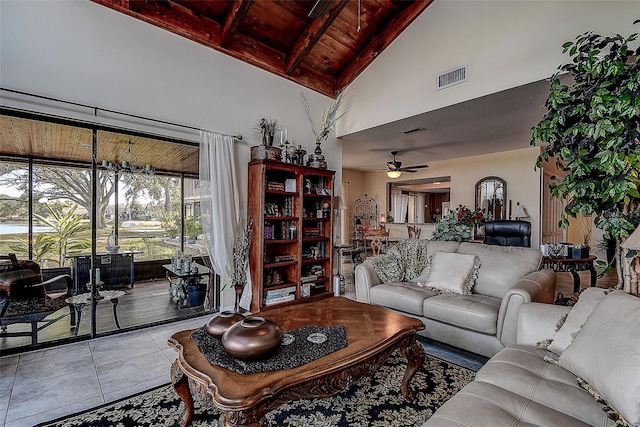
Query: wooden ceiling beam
point(135, 5)
point(174, 18)
point(381, 41)
point(237, 12)
point(310, 36)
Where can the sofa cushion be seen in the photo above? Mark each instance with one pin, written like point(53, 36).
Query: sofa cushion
point(606, 353)
point(522, 370)
point(453, 272)
point(477, 313)
point(502, 266)
point(587, 301)
point(403, 296)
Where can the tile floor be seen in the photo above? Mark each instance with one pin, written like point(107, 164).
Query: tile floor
point(46, 384)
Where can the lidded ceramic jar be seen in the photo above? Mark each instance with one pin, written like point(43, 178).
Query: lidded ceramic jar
point(252, 338)
point(219, 324)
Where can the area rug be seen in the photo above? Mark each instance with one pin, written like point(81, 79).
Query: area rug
point(370, 401)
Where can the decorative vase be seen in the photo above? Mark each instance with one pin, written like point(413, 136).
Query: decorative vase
point(219, 324)
point(112, 241)
point(318, 150)
point(252, 338)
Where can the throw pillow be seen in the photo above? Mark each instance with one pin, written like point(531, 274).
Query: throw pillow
point(606, 353)
point(453, 272)
point(387, 268)
point(587, 301)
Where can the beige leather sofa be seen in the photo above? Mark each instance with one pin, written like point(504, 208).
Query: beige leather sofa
point(518, 387)
point(483, 322)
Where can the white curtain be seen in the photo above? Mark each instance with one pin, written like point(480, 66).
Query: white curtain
point(420, 208)
point(400, 206)
point(219, 204)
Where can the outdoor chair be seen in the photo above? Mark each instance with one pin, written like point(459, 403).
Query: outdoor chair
point(26, 298)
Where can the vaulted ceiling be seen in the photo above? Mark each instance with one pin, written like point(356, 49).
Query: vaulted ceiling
point(320, 44)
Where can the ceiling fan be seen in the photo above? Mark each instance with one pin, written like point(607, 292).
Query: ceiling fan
point(395, 169)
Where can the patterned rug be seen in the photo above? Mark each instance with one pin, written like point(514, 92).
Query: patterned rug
point(371, 401)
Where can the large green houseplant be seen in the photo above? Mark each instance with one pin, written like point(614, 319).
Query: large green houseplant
point(591, 129)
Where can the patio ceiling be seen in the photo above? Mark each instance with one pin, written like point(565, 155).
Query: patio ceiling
point(20, 137)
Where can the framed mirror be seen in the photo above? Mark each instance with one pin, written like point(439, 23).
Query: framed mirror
point(418, 201)
point(491, 195)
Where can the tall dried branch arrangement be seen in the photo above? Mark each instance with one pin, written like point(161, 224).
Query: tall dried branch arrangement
point(329, 117)
point(244, 231)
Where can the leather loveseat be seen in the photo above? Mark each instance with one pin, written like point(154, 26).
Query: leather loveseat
point(591, 379)
point(483, 320)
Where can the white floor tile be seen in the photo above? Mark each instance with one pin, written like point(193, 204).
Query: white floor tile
point(138, 369)
point(29, 398)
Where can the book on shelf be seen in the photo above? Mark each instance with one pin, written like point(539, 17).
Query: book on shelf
point(283, 258)
point(273, 293)
point(308, 278)
point(279, 300)
point(278, 186)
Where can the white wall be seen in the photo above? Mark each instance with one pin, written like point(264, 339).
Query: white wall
point(504, 44)
point(80, 51)
point(515, 167)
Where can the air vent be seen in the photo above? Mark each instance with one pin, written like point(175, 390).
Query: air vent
point(452, 77)
point(418, 129)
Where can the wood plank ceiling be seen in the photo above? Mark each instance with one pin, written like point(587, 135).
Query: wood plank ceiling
point(46, 141)
point(324, 52)
point(315, 43)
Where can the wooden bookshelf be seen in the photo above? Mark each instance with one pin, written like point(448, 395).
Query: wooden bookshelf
point(290, 206)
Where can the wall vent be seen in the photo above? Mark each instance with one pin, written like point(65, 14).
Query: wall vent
point(451, 77)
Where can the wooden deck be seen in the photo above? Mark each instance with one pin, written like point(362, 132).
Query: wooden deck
point(146, 303)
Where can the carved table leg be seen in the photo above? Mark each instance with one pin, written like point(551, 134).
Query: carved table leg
point(414, 354)
point(181, 385)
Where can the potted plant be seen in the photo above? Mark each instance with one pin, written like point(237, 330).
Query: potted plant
point(591, 129)
point(458, 225)
point(192, 228)
point(267, 127)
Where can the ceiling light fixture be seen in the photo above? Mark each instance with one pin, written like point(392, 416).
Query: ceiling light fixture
point(129, 164)
point(394, 174)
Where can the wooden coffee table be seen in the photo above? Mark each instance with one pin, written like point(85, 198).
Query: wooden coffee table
point(373, 333)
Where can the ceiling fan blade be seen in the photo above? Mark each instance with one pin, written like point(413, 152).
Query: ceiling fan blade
point(320, 8)
point(417, 167)
point(408, 171)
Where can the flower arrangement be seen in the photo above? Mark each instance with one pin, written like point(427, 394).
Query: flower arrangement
point(458, 225)
point(329, 117)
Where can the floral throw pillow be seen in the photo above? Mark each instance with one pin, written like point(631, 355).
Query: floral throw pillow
point(387, 268)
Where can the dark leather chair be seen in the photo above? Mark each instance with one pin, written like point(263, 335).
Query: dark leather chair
point(26, 298)
point(507, 233)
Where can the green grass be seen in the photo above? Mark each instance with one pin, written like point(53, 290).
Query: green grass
point(153, 244)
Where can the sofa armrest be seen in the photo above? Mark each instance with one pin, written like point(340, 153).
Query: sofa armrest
point(538, 322)
point(538, 286)
point(365, 278)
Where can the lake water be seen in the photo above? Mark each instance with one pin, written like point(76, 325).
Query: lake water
point(22, 228)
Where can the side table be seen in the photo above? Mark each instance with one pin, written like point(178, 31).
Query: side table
point(572, 265)
point(178, 289)
point(81, 300)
